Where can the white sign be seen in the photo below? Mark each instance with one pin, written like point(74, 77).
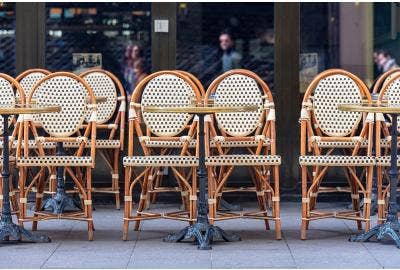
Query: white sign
point(84, 61)
point(161, 26)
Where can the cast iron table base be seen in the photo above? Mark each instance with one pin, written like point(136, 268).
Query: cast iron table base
point(203, 232)
point(8, 230)
point(61, 201)
point(391, 226)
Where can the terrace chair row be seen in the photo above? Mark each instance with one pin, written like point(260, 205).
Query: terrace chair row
point(167, 141)
point(76, 127)
point(329, 138)
point(358, 143)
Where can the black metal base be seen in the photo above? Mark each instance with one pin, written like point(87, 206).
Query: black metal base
point(60, 203)
point(389, 228)
point(10, 232)
point(203, 234)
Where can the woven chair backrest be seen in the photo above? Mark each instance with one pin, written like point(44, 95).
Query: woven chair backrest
point(68, 91)
point(167, 90)
point(238, 90)
point(329, 92)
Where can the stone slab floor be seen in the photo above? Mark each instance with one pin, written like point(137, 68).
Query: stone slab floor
point(327, 246)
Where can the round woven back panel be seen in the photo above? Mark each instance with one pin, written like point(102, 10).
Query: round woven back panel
point(167, 91)
point(28, 82)
point(71, 96)
point(238, 90)
point(102, 86)
point(393, 96)
point(329, 93)
point(7, 99)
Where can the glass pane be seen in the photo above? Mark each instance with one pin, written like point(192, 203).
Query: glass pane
point(339, 35)
point(120, 32)
point(7, 38)
point(215, 37)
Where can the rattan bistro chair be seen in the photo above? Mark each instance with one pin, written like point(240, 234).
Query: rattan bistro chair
point(164, 88)
point(388, 88)
point(325, 131)
point(244, 139)
point(9, 88)
point(155, 185)
point(71, 93)
point(110, 124)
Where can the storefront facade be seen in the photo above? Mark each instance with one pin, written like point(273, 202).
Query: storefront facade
point(284, 43)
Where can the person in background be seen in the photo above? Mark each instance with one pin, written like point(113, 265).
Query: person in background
point(384, 61)
point(230, 58)
point(139, 73)
point(133, 53)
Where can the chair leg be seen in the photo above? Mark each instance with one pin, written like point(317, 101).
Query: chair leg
point(355, 198)
point(260, 196)
point(39, 197)
point(116, 179)
point(127, 203)
point(143, 199)
point(367, 199)
point(211, 196)
point(276, 205)
point(305, 203)
point(381, 198)
point(89, 205)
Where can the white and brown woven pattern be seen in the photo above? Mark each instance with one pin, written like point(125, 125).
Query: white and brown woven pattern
point(68, 93)
point(238, 90)
point(338, 144)
point(336, 160)
point(7, 99)
point(243, 160)
point(167, 90)
point(55, 161)
point(32, 144)
point(29, 81)
point(329, 93)
point(100, 144)
point(239, 144)
point(393, 94)
point(169, 144)
point(385, 161)
point(102, 86)
point(156, 161)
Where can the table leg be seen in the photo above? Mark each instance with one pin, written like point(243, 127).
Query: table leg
point(61, 200)
point(391, 226)
point(7, 228)
point(202, 231)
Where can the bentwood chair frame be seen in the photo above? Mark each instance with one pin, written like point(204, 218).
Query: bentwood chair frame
point(325, 129)
point(156, 185)
point(387, 87)
point(71, 93)
point(28, 80)
point(164, 88)
point(252, 132)
point(110, 121)
point(9, 88)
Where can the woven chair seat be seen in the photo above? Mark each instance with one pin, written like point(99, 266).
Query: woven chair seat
point(55, 161)
point(100, 144)
point(169, 144)
point(243, 160)
point(336, 160)
point(156, 161)
point(325, 144)
point(32, 144)
point(385, 161)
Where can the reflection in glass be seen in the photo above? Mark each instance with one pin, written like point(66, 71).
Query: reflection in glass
point(120, 32)
point(215, 37)
point(7, 38)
